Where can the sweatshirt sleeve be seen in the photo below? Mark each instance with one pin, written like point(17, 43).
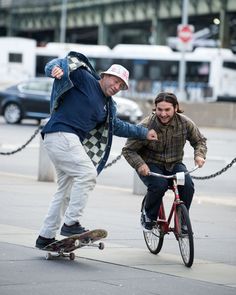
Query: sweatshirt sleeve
point(128, 130)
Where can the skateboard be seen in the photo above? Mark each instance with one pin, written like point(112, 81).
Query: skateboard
point(66, 246)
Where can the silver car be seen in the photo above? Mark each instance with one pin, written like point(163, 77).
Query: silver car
point(128, 110)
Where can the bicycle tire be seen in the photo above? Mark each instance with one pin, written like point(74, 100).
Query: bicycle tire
point(154, 240)
point(185, 239)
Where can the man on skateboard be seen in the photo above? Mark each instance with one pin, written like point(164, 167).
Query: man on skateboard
point(78, 136)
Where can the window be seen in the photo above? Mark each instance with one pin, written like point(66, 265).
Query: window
point(230, 65)
point(15, 57)
point(154, 72)
point(41, 61)
point(37, 86)
point(101, 64)
point(197, 71)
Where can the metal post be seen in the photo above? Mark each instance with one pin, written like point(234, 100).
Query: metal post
point(182, 63)
point(139, 187)
point(102, 30)
point(224, 33)
point(63, 21)
point(46, 170)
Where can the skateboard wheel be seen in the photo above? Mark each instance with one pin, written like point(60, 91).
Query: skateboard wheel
point(48, 256)
point(72, 256)
point(76, 243)
point(101, 246)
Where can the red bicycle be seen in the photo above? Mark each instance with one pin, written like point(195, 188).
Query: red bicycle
point(181, 227)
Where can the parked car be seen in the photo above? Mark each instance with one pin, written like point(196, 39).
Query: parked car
point(128, 110)
point(31, 100)
point(26, 100)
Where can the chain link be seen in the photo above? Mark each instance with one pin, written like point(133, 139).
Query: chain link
point(119, 157)
point(113, 161)
point(194, 177)
point(24, 145)
point(216, 173)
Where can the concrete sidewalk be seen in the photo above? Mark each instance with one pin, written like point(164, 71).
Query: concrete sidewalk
point(24, 202)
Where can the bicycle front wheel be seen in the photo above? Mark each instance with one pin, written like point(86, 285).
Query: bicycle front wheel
point(154, 239)
point(185, 235)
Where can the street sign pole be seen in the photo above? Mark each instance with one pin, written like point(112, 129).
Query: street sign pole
point(63, 21)
point(182, 64)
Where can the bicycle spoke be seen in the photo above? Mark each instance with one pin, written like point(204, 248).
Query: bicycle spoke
point(154, 240)
point(185, 235)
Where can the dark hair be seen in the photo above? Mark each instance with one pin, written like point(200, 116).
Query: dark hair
point(168, 97)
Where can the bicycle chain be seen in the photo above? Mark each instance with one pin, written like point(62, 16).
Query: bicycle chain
point(24, 145)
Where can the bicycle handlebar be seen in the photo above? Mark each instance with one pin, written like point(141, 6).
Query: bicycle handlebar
point(173, 175)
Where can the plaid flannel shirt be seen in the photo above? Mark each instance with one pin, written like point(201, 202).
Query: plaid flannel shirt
point(169, 148)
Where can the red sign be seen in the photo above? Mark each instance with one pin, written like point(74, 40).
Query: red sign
point(185, 33)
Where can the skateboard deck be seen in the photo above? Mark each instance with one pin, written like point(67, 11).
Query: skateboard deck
point(66, 246)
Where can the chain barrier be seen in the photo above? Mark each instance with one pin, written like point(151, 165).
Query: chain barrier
point(194, 177)
point(24, 145)
point(113, 161)
point(217, 173)
point(119, 157)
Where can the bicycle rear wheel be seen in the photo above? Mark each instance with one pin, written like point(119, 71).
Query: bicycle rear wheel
point(185, 235)
point(154, 239)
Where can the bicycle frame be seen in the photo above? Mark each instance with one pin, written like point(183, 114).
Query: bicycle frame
point(162, 220)
point(182, 228)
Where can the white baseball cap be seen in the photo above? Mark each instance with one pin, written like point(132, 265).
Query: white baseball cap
point(118, 71)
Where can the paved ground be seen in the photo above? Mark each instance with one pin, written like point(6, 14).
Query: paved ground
point(125, 266)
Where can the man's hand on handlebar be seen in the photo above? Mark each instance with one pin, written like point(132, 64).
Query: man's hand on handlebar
point(199, 161)
point(144, 170)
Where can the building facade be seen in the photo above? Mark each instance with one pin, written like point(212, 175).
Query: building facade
point(111, 22)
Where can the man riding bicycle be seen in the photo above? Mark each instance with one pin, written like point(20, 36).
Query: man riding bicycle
point(165, 155)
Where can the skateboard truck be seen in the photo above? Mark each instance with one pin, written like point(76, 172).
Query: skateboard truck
point(51, 255)
point(71, 255)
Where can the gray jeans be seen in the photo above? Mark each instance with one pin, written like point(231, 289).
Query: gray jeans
point(76, 177)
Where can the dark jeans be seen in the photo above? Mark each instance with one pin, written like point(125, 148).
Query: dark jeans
point(156, 188)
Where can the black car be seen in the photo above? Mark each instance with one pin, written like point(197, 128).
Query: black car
point(26, 100)
point(31, 100)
